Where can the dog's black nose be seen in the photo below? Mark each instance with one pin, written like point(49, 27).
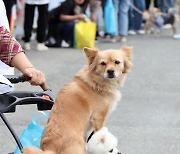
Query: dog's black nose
point(110, 73)
point(118, 153)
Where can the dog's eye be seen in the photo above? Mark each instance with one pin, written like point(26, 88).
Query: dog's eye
point(103, 63)
point(117, 62)
point(111, 151)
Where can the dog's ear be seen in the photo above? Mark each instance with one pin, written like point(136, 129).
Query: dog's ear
point(90, 54)
point(127, 58)
point(104, 129)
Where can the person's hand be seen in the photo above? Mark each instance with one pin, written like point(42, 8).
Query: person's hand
point(21, 62)
point(80, 16)
point(36, 76)
point(93, 18)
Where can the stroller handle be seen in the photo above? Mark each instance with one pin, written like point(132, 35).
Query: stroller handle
point(17, 79)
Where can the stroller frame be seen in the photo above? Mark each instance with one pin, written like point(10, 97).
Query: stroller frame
point(9, 100)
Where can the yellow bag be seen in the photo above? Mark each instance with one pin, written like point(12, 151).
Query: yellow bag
point(85, 33)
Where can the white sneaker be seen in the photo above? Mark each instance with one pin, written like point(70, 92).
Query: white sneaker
point(141, 32)
point(176, 36)
point(41, 47)
point(64, 44)
point(27, 46)
point(167, 26)
point(131, 32)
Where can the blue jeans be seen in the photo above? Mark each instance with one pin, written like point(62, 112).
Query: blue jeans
point(135, 18)
point(121, 8)
point(164, 5)
point(66, 30)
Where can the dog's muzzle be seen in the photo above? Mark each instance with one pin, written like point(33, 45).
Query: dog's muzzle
point(111, 73)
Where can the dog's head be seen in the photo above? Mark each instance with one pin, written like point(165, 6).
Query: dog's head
point(102, 142)
point(109, 64)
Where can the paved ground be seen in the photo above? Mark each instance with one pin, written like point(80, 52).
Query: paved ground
point(147, 119)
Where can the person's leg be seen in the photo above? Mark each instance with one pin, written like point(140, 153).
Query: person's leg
point(171, 3)
point(156, 3)
point(28, 21)
point(123, 18)
point(103, 3)
point(8, 5)
point(42, 26)
point(162, 5)
point(147, 4)
point(66, 30)
point(131, 20)
point(42, 22)
point(116, 6)
point(168, 4)
point(140, 4)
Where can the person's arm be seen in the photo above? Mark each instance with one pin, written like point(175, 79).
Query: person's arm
point(21, 62)
point(66, 12)
point(94, 8)
point(71, 17)
point(12, 54)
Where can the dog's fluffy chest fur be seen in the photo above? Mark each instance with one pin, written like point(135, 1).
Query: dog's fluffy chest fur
point(100, 92)
point(101, 96)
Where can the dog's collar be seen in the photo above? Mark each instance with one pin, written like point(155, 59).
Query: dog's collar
point(92, 133)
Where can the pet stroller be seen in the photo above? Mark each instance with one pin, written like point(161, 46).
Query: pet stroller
point(9, 101)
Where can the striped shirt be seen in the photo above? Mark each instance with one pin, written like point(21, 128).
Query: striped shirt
point(9, 47)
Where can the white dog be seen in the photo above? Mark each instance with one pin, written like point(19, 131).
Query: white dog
point(102, 142)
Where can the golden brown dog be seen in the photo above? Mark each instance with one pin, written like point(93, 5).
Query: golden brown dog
point(84, 102)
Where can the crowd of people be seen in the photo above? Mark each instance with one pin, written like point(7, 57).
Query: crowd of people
point(56, 19)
